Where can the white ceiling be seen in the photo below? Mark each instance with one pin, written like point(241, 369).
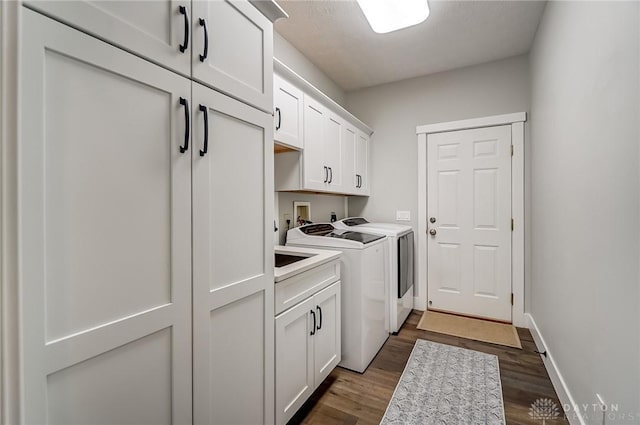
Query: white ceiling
point(337, 38)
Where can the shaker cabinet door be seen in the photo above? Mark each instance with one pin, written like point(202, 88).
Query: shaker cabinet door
point(233, 319)
point(157, 30)
point(105, 253)
point(233, 50)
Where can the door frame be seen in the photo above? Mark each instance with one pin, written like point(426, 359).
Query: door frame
point(516, 120)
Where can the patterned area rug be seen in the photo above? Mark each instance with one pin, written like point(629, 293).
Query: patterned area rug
point(447, 385)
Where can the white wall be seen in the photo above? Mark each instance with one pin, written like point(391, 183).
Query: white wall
point(394, 110)
point(585, 199)
point(294, 59)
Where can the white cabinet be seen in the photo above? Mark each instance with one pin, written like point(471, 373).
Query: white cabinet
point(315, 169)
point(158, 30)
point(127, 174)
point(105, 225)
point(362, 164)
point(308, 348)
point(288, 113)
point(233, 50)
point(232, 261)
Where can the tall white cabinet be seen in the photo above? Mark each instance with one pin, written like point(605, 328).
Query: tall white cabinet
point(145, 205)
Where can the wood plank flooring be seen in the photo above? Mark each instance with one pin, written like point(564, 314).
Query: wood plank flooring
point(349, 398)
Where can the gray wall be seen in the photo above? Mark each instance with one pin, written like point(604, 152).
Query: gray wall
point(585, 198)
point(294, 59)
point(321, 208)
point(394, 110)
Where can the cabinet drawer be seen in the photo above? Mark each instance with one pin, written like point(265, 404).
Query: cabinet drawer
point(291, 291)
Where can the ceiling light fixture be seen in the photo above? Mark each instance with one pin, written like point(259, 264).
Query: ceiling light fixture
point(390, 15)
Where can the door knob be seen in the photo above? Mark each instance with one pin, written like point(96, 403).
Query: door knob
point(432, 219)
point(432, 232)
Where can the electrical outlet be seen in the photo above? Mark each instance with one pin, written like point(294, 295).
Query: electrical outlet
point(403, 215)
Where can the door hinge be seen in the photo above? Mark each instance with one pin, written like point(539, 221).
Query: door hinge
point(511, 150)
point(512, 225)
point(512, 298)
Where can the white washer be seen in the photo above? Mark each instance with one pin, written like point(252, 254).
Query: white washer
point(400, 264)
point(363, 275)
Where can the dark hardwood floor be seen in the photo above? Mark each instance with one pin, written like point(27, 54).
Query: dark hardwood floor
point(351, 398)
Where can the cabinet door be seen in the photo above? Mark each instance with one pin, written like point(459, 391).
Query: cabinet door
point(333, 151)
point(362, 163)
point(152, 29)
point(288, 111)
point(233, 319)
point(233, 50)
point(105, 253)
point(327, 348)
point(294, 359)
point(349, 136)
point(315, 167)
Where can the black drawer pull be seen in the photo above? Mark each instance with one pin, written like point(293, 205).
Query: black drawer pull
point(313, 332)
point(205, 53)
point(279, 118)
point(185, 45)
point(187, 126)
point(319, 314)
point(205, 110)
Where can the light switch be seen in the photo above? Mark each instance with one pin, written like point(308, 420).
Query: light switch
point(403, 215)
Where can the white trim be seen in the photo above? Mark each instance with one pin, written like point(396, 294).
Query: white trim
point(516, 120)
point(559, 384)
point(10, 21)
point(270, 9)
point(472, 123)
point(420, 288)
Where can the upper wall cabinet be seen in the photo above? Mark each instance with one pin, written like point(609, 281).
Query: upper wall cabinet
point(157, 30)
point(233, 50)
point(288, 109)
point(330, 146)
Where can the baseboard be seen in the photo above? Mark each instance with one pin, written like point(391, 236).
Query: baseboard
point(559, 384)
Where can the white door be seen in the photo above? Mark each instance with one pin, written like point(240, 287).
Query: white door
point(233, 50)
point(294, 359)
point(350, 182)
point(158, 30)
point(469, 213)
point(316, 170)
point(288, 111)
point(333, 151)
point(326, 339)
point(105, 224)
point(362, 163)
point(233, 318)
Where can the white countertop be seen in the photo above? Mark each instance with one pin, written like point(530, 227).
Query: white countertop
point(315, 258)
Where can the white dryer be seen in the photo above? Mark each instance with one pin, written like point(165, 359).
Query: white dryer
point(400, 265)
point(363, 274)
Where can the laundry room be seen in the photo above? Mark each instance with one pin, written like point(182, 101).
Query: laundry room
point(320, 212)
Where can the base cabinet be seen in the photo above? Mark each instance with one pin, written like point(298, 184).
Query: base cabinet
point(307, 349)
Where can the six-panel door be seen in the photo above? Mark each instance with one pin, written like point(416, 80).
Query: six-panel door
point(105, 253)
point(233, 316)
point(158, 30)
point(469, 241)
point(233, 50)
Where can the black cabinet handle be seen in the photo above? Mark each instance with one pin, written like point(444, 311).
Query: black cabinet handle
point(326, 174)
point(187, 126)
point(359, 180)
point(319, 314)
point(204, 54)
point(313, 332)
point(205, 110)
point(330, 175)
point(185, 45)
point(279, 118)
